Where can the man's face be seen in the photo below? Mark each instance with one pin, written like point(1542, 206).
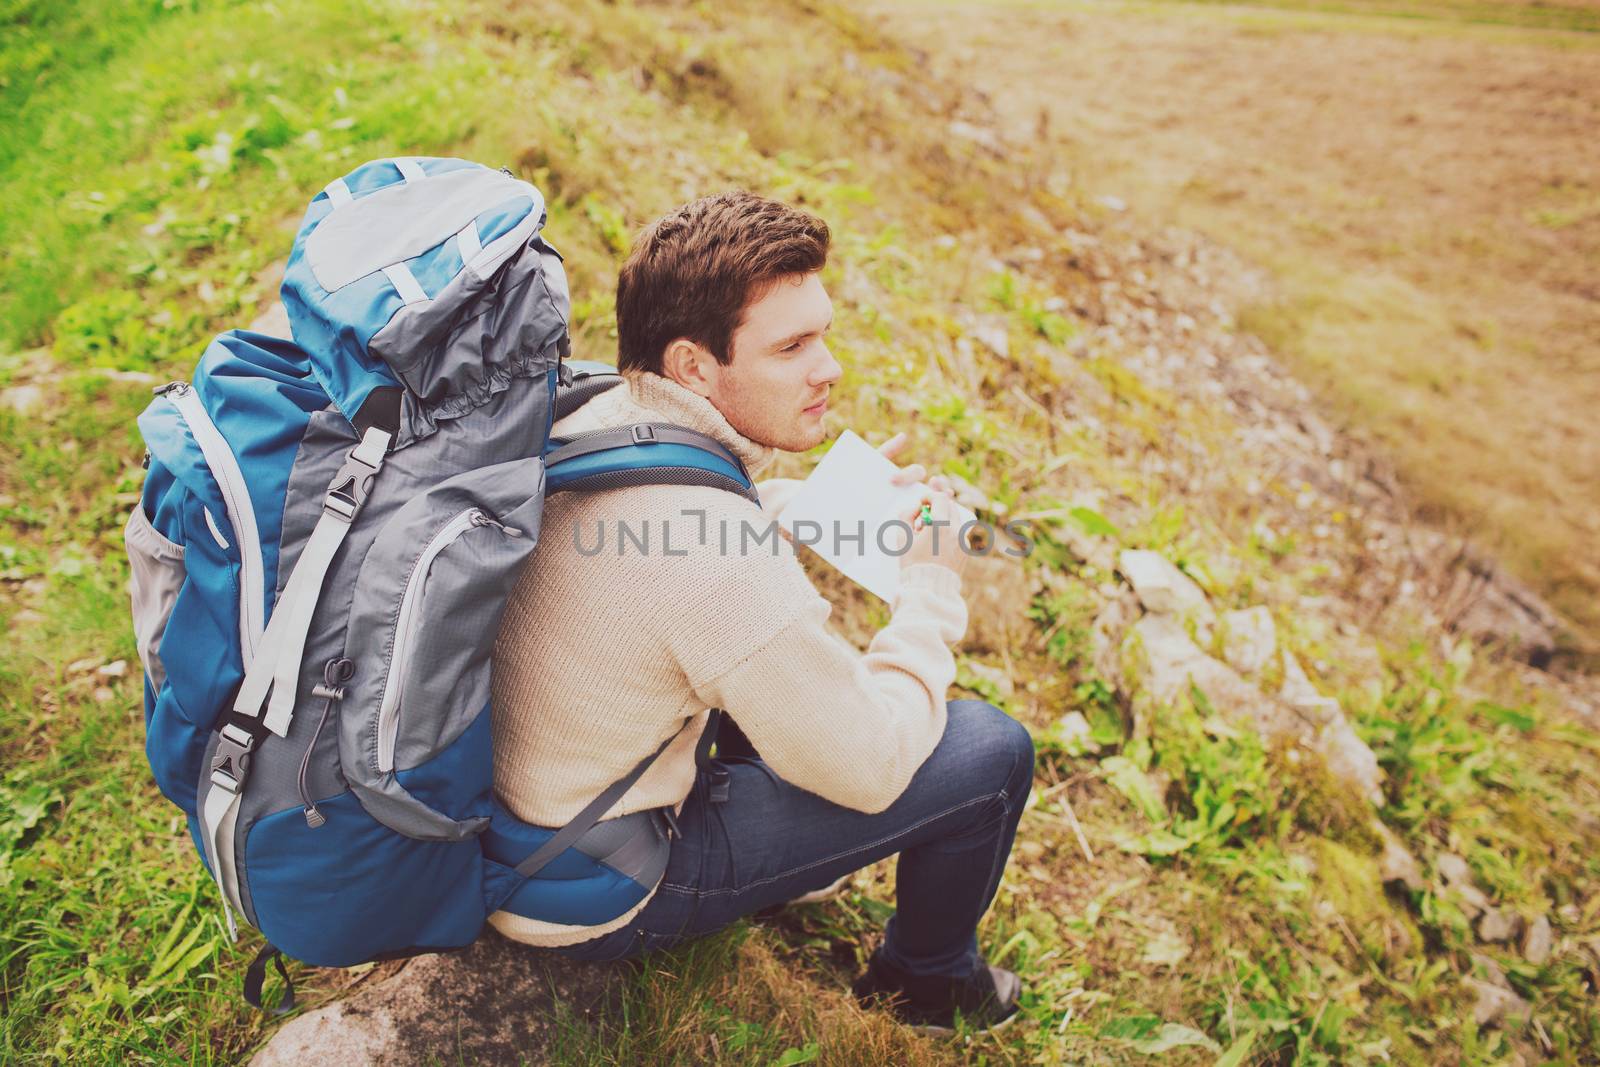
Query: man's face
point(775, 391)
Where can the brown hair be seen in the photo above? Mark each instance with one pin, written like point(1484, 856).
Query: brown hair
point(694, 271)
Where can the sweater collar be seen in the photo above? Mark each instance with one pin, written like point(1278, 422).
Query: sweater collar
point(655, 398)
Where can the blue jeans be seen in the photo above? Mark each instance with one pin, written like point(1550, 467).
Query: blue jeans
point(770, 842)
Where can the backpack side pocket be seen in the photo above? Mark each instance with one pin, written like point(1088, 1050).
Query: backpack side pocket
point(157, 572)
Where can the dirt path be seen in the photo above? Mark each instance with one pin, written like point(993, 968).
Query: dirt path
point(1424, 195)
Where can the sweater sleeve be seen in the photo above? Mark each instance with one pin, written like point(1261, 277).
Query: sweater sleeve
point(851, 728)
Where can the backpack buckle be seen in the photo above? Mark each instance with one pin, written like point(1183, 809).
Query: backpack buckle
point(231, 764)
point(670, 821)
point(644, 434)
point(349, 489)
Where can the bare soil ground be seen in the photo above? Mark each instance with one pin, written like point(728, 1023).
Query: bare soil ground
point(1423, 193)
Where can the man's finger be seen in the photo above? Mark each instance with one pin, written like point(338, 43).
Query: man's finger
point(908, 475)
point(893, 446)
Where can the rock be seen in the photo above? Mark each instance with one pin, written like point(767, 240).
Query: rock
point(1397, 864)
point(274, 322)
point(1452, 868)
point(993, 336)
point(982, 136)
point(1348, 757)
point(1537, 942)
point(1163, 588)
point(998, 590)
point(994, 676)
point(1457, 879)
point(1248, 639)
point(1495, 925)
point(1494, 1003)
point(23, 399)
point(1106, 635)
point(1165, 662)
point(114, 669)
point(132, 377)
point(1298, 692)
point(493, 1002)
point(1072, 732)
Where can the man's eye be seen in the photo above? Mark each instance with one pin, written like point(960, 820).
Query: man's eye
point(794, 346)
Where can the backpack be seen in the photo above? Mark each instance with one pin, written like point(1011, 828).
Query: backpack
point(324, 544)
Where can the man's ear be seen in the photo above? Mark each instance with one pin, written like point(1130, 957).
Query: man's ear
point(691, 365)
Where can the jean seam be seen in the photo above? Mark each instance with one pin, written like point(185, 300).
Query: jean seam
point(997, 862)
point(867, 847)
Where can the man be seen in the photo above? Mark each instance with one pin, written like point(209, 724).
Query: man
point(605, 654)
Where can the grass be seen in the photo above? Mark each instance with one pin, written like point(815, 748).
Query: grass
point(1231, 910)
point(1581, 16)
point(1426, 241)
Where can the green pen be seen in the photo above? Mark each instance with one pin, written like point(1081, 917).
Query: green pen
point(926, 518)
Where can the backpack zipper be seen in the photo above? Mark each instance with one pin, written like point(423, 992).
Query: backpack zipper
point(224, 467)
point(406, 623)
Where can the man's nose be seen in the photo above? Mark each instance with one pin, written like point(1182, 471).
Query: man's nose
point(830, 371)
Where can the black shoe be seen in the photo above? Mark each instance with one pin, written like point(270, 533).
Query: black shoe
point(985, 1000)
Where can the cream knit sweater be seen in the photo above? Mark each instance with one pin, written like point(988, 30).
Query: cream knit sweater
point(603, 655)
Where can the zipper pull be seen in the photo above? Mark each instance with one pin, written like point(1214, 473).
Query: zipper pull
point(171, 388)
point(335, 673)
point(480, 518)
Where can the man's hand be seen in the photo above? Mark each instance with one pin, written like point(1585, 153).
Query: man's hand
point(939, 544)
point(911, 473)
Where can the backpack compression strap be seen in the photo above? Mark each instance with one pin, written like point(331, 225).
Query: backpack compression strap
point(276, 666)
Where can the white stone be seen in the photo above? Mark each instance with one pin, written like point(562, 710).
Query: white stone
point(1458, 884)
point(1397, 864)
point(1298, 692)
point(1495, 925)
point(1162, 587)
point(1166, 662)
point(23, 399)
point(1248, 639)
point(994, 676)
point(274, 322)
point(1072, 731)
point(1494, 1003)
point(1537, 942)
point(993, 336)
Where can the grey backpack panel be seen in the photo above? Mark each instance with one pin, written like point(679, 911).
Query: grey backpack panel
point(405, 220)
point(456, 351)
point(437, 570)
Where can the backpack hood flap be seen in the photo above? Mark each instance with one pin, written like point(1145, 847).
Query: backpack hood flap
point(428, 274)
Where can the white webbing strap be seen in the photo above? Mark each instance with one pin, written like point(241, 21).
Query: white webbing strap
point(276, 668)
point(410, 170)
point(405, 283)
point(218, 819)
point(338, 192)
point(468, 243)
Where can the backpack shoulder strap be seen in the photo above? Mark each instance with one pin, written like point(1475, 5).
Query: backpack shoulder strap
point(645, 453)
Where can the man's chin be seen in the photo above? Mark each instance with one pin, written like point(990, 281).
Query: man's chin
point(802, 438)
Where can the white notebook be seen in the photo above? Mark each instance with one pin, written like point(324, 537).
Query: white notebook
point(848, 493)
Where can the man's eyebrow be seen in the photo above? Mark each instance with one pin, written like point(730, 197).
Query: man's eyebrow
point(802, 335)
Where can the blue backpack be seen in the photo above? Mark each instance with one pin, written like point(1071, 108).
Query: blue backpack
point(321, 555)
